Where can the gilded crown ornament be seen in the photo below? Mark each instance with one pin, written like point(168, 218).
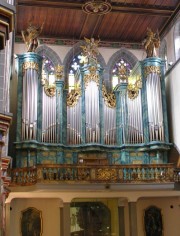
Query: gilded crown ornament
point(59, 72)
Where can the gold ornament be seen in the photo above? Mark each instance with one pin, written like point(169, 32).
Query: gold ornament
point(109, 98)
point(73, 97)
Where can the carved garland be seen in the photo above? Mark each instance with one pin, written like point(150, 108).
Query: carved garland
point(30, 65)
point(73, 97)
point(133, 89)
point(109, 98)
point(91, 76)
point(152, 69)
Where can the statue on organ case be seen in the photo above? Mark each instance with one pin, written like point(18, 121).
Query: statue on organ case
point(30, 36)
point(151, 42)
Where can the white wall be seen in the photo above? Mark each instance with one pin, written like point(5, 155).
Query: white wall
point(172, 91)
point(62, 51)
point(173, 106)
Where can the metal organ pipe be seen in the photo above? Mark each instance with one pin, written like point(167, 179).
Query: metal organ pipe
point(74, 127)
point(48, 118)
point(92, 112)
point(29, 104)
point(109, 125)
point(135, 127)
point(155, 111)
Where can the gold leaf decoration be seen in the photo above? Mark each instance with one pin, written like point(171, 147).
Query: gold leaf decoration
point(73, 96)
point(152, 69)
point(30, 65)
point(109, 98)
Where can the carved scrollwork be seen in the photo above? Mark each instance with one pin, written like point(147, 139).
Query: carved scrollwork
point(73, 96)
point(50, 89)
point(106, 174)
point(109, 98)
point(152, 69)
point(91, 76)
point(133, 92)
point(133, 89)
point(30, 65)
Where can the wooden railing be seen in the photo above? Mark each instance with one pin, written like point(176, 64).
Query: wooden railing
point(177, 175)
point(154, 173)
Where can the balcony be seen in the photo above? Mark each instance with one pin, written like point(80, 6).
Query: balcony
point(107, 174)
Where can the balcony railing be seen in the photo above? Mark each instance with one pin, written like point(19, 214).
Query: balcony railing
point(154, 173)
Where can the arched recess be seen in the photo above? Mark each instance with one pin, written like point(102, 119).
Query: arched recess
point(49, 53)
point(75, 50)
point(122, 53)
point(177, 40)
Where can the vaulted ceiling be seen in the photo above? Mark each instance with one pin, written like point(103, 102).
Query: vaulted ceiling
point(127, 22)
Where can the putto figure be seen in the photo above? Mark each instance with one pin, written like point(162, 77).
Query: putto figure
point(30, 36)
point(151, 42)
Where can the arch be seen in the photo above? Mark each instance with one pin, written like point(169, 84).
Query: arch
point(177, 40)
point(75, 50)
point(49, 53)
point(122, 53)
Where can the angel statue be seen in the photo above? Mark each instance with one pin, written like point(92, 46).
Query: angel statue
point(90, 49)
point(151, 42)
point(30, 36)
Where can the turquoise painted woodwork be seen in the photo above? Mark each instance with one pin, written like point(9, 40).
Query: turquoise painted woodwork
point(34, 152)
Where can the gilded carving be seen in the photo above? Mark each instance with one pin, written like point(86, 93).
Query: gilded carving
point(109, 98)
point(30, 36)
point(59, 72)
point(106, 174)
point(92, 76)
point(30, 65)
point(152, 69)
point(49, 89)
point(151, 42)
point(133, 92)
point(133, 89)
point(90, 50)
point(73, 97)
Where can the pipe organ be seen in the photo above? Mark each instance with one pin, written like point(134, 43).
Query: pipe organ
point(131, 118)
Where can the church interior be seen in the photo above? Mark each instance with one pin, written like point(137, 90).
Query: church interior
point(89, 118)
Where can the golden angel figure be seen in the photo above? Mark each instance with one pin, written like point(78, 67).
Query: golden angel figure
point(151, 42)
point(30, 36)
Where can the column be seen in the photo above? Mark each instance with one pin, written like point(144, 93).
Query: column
point(121, 220)
point(133, 218)
point(65, 220)
point(8, 223)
